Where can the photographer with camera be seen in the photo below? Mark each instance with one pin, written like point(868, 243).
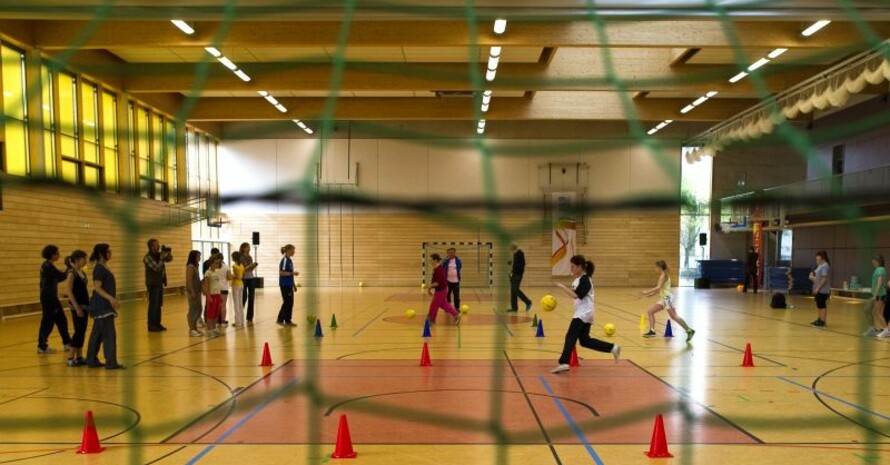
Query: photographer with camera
point(155, 280)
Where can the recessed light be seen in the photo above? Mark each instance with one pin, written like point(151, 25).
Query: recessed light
point(183, 26)
point(500, 25)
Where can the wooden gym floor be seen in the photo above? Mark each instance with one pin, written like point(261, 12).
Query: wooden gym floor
point(815, 396)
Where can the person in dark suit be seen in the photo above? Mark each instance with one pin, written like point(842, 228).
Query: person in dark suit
point(751, 269)
point(516, 272)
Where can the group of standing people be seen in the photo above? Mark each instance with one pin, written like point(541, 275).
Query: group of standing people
point(102, 306)
point(218, 281)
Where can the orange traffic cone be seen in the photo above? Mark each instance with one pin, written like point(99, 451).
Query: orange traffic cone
point(425, 357)
point(343, 449)
point(267, 357)
point(658, 447)
point(748, 359)
point(573, 360)
point(90, 442)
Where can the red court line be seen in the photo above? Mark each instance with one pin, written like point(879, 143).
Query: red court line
point(397, 402)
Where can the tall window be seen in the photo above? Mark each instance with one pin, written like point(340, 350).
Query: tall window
point(193, 163)
point(89, 109)
point(109, 141)
point(695, 215)
point(170, 150)
point(49, 123)
point(68, 128)
point(143, 142)
point(158, 158)
point(15, 109)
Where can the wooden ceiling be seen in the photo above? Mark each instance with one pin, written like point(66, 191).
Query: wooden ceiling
point(556, 64)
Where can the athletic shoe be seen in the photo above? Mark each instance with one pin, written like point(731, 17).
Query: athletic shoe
point(280, 323)
point(195, 333)
point(528, 306)
point(95, 365)
point(457, 319)
point(884, 333)
point(689, 333)
point(616, 352)
point(819, 324)
point(561, 368)
point(871, 331)
point(115, 367)
point(154, 329)
point(650, 333)
point(815, 322)
point(72, 362)
point(289, 324)
point(47, 351)
point(236, 325)
point(66, 347)
point(512, 310)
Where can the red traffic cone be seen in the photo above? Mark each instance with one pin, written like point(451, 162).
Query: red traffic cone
point(748, 359)
point(658, 447)
point(90, 442)
point(343, 449)
point(267, 357)
point(425, 357)
point(573, 360)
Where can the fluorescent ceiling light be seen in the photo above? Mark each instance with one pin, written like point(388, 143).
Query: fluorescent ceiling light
point(738, 77)
point(652, 131)
point(687, 109)
point(484, 107)
point(668, 121)
point(227, 63)
point(711, 93)
point(776, 53)
point(487, 93)
point(815, 27)
point(500, 25)
point(271, 100)
point(486, 99)
point(299, 123)
point(308, 131)
point(183, 26)
point(493, 62)
point(213, 51)
point(758, 64)
point(263, 93)
point(481, 123)
point(490, 74)
point(495, 51)
point(281, 108)
point(241, 74)
point(700, 101)
point(661, 125)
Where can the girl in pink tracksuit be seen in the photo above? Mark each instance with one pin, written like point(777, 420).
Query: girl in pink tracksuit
point(439, 290)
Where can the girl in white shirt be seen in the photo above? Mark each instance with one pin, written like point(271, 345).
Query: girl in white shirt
point(579, 329)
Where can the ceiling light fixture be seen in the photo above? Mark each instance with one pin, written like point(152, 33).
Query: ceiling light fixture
point(500, 25)
point(213, 51)
point(263, 93)
point(711, 93)
point(493, 62)
point(241, 74)
point(659, 126)
point(687, 109)
point(227, 63)
point(484, 107)
point(271, 100)
point(776, 53)
point(738, 77)
point(183, 26)
point(757, 64)
point(490, 74)
point(303, 126)
point(281, 108)
point(815, 27)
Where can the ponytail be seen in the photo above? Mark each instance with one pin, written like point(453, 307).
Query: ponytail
point(662, 264)
point(585, 264)
point(100, 251)
point(824, 256)
point(287, 248)
point(75, 256)
point(589, 268)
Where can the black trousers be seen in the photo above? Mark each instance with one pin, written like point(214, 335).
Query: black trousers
point(287, 304)
point(247, 299)
point(579, 332)
point(80, 328)
point(53, 315)
point(454, 288)
point(103, 335)
point(515, 292)
point(750, 276)
point(155, 302)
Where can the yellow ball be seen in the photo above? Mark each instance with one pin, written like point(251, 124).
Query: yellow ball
point(310, 319)
point(423, 285)
point(361, 284)
point(465, 309)
point(609, 329)
point(740, 288)
point(409, 314)
point(548, 303)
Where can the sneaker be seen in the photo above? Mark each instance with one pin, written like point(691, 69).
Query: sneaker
point(815, 322)
point(689, 334)
point(154, 329)
point(561, 368)
point(66, 347)
point(650, 333)
point(95, 365)
point(871, 331)
point(236, 325)
point(289, 324)
point(884, 333)
point(457, 319)
point(72, 362)
point(47, 351)
point(280, 323)
point(115, 367)
point(195, 333)
point(819, 324)
point(512, 310)
point(528, 306)
point(616, 352)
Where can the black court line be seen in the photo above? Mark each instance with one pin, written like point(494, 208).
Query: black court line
point(356, 333)
point(741, 351)
point(24, 395)
point(232, 399)
point(22, 459)
point(99, 401)
point(503, 321)
point(534, 412)
point(686, 396)
point(825, 404)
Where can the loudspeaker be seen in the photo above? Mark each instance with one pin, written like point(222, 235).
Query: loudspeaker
point(256, 238)
point(703, 239)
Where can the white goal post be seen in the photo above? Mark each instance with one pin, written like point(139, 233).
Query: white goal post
point(477, 260)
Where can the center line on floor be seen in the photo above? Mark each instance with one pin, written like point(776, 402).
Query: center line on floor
point(565, 413)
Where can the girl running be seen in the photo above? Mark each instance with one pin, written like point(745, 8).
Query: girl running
point(665, 302)
point(439, 291)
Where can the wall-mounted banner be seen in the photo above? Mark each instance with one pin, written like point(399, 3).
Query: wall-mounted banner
point(564, 228)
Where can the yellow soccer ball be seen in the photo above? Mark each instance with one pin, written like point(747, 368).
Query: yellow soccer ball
point(740, 287)
point(465, 309)
point(361, 284)
point(609, 329)
point(548, 303)
point(410, 313)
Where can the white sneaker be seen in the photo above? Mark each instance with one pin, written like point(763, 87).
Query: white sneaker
point(884, 333)
point(871, 331)
point(616, 352)
point(195, 333)
point(560, 369)
point(47, 351)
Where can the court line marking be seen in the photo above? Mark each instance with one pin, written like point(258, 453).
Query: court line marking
point(503, 320)
point(534, 412)
point(356, 333)
point(830, 396)
point(565, 413)
point(243, 421)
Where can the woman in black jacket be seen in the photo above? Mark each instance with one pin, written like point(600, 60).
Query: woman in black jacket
point(53, 314)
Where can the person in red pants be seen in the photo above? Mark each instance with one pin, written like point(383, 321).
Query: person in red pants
point(439, 291)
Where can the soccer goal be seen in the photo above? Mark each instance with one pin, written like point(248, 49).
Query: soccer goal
point(477, 261)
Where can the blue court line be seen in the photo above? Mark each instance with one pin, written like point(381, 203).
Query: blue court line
point(242, 422)
point(822, 393)
point(596, 458)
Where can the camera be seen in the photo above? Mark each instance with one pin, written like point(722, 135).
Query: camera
point(166, 249)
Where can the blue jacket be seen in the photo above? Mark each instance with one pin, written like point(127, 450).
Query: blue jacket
point(445, 266)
